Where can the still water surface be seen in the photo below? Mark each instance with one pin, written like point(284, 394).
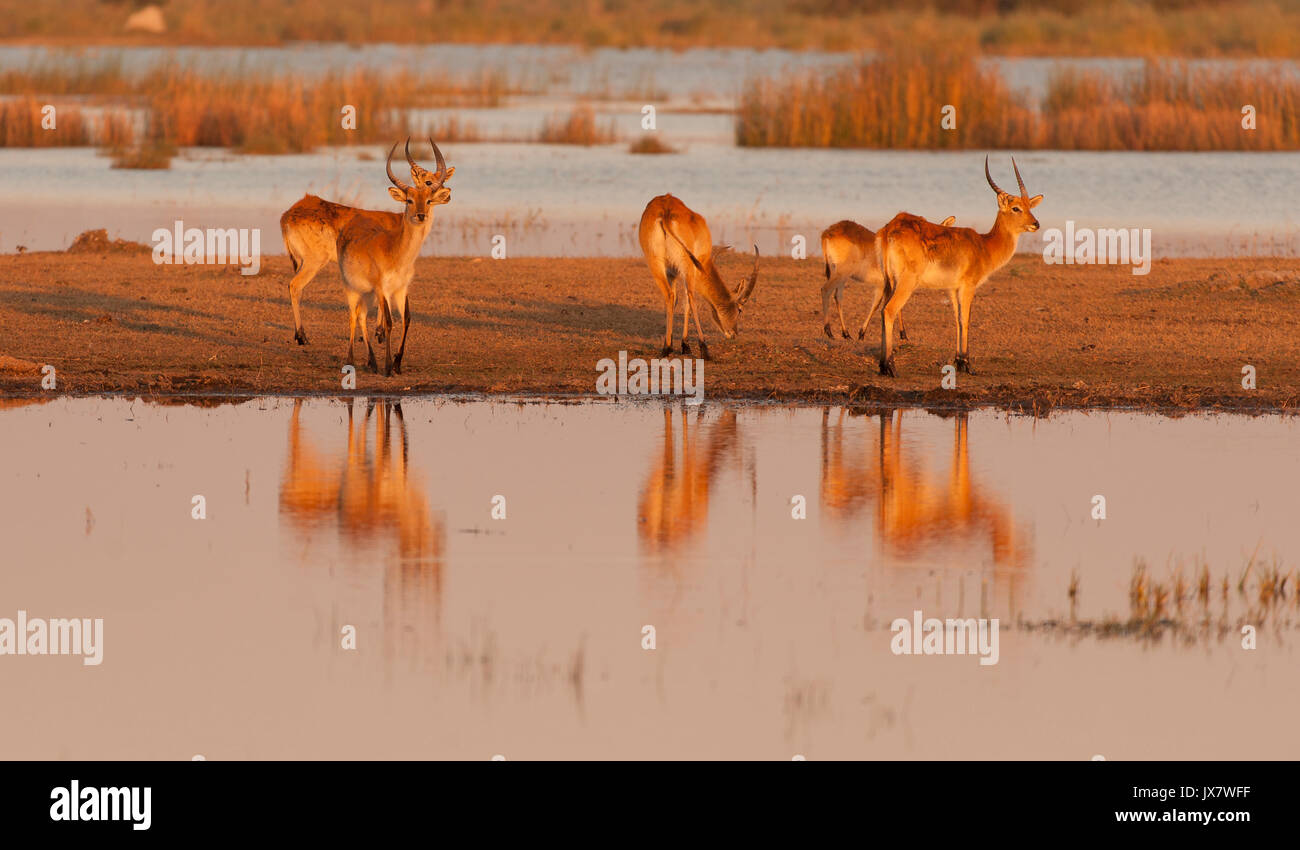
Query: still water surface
point(522, 636)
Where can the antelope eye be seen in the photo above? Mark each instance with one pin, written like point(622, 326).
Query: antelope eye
point(429, 202)
point(409, 201)
point(428, 182)
point(1015, 209)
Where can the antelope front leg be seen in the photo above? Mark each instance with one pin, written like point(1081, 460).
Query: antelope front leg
point(386, 323)
point(352, 334)
point(406, 326)
point(699, 331)
point(365, 336)
point(964, 298)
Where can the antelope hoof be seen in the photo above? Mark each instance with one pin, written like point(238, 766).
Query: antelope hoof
point(372, 364)
point(704, 350)
point(397, 365)
point(887, 368)
point(862, 334)
point(300, 337)
point(686, 349)
point(826, 328)
point(845, 334)
point(963, 365)
point(666, 351)
point(902, 334)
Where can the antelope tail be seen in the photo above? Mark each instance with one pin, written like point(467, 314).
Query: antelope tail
point(668, 231)
point(288, 246)
point(884, 268)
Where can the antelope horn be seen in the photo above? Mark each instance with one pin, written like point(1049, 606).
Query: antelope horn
point(388, 166)
point(989, 177)
point(437, 155)
point(1023, 192)
point(747, 286)
point(410, 159)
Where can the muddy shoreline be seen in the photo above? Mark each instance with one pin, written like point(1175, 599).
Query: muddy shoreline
point(1042, 337)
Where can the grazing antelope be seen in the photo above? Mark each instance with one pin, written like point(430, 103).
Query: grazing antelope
point(849, 251)
point(917, 254)
point(677, 244)
point(377, 259)
point(311, 231)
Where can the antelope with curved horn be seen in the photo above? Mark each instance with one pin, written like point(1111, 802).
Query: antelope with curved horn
point(849, 252)
point(677, 245)
point(377, 259)
point(915, 254)
point(311, 231)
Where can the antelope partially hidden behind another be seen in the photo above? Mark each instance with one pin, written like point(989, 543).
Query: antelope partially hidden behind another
point(311, 233)
point(917, 254)
point(377, 260)
point(677, 244)
point(849, 251)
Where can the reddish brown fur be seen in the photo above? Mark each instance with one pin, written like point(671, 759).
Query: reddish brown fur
point(917, 254)
point(677, 243)
point(310, 229)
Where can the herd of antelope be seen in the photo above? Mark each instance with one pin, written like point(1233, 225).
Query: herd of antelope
point(376, 253)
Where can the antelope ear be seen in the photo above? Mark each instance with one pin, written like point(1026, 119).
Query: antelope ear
point(1035, 201)
point(947, 221)
point(397, 194)
point(447, 176)
point(721, 249)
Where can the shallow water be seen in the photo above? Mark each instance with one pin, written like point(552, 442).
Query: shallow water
point(692, 73)
point(562, 200)
point(570, 201)
point(522, 636)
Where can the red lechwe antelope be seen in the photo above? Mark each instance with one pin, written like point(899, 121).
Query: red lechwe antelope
point(311, 231)
point(677, 244)
point(917, 254)
point(377, 260)
point(849, 251)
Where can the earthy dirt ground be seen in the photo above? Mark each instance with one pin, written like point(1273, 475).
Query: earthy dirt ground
point(1041, 336)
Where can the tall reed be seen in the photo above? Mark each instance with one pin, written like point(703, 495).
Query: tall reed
point(900, 99)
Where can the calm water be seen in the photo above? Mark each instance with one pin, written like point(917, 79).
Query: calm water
point(559, 200)
point(709, 74)
point(570, 201)
point(522, 636)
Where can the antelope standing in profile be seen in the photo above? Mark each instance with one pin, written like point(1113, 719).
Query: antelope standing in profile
point(377, 259)
point(849, 251)
point(677, 244)
point(917, 254)
point(311, 231)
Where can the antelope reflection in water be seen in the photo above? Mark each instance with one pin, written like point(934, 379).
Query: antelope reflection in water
point(919, 508)
point(381, 513)
point(674, 503)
